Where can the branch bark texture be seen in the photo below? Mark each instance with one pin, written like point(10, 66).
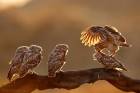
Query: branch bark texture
point(71, 80)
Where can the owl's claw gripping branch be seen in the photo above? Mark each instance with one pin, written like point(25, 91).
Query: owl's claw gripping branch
point(71, 80)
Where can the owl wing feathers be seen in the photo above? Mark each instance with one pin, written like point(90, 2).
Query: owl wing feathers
point(32, 60)
point(25, 59)
point(91, 37)
point(117, 64)
point(55, 63)
point(109, 61)
point(54, 67)
point(57, 59)
point(15, 64)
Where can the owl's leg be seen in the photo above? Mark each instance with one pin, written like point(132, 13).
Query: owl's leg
point(114, 50)
point(113, 53)
point(93, 57)
point(31, 71)
point(61, 68)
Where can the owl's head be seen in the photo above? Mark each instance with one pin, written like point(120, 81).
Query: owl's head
point(62, 47)
point(35, 48)
point(22, 49)
point(115, 32)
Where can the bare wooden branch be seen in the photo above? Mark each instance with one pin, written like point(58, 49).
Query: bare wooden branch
point(70, 80)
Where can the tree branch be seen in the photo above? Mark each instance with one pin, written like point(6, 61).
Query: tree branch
point(70, 80)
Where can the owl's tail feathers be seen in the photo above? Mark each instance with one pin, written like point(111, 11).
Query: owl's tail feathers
point(123, 68)
point(125, 45)
point(10, 75)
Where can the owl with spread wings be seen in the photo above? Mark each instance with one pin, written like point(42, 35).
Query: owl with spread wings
point(57, 59)
point(107, 37)
point(109, 62)
point(25, 59)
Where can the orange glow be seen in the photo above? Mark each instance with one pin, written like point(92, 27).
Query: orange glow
point(12, 3)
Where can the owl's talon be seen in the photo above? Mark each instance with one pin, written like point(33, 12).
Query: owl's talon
point(61, 71)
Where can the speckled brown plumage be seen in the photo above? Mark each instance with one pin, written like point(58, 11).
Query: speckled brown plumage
point(25, 59)
point(31, 60)
point(57, 59)
point(109, 62)
point(17, 61)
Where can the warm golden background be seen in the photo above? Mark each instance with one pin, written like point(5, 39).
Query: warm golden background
point(49, 22)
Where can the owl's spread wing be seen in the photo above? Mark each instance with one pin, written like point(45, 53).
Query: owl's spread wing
point(91, 37)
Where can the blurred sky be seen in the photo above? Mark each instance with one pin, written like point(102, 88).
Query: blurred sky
point(49, 22)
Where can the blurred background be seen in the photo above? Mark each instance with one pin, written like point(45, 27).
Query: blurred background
point(49, 22)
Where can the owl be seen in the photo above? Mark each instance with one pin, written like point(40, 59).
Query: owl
point(31, 60)
point(101, 38)
point(109, 62)
point(16, 62)
point(57, 59)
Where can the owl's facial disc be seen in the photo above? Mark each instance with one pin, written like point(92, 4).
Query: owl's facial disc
point(36, 48)
point(22, 49)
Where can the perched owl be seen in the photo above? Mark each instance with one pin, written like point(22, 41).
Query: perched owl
point(31, 59)
point(109, 62)
point(17, 61)
point(57, 59)
point(106, 37)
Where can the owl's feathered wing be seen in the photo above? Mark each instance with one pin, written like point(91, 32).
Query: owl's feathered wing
point(93, 35)
point(31, 61)
point(109, 62)
point(15, 64)
point(56, 61)
point(55, 66)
